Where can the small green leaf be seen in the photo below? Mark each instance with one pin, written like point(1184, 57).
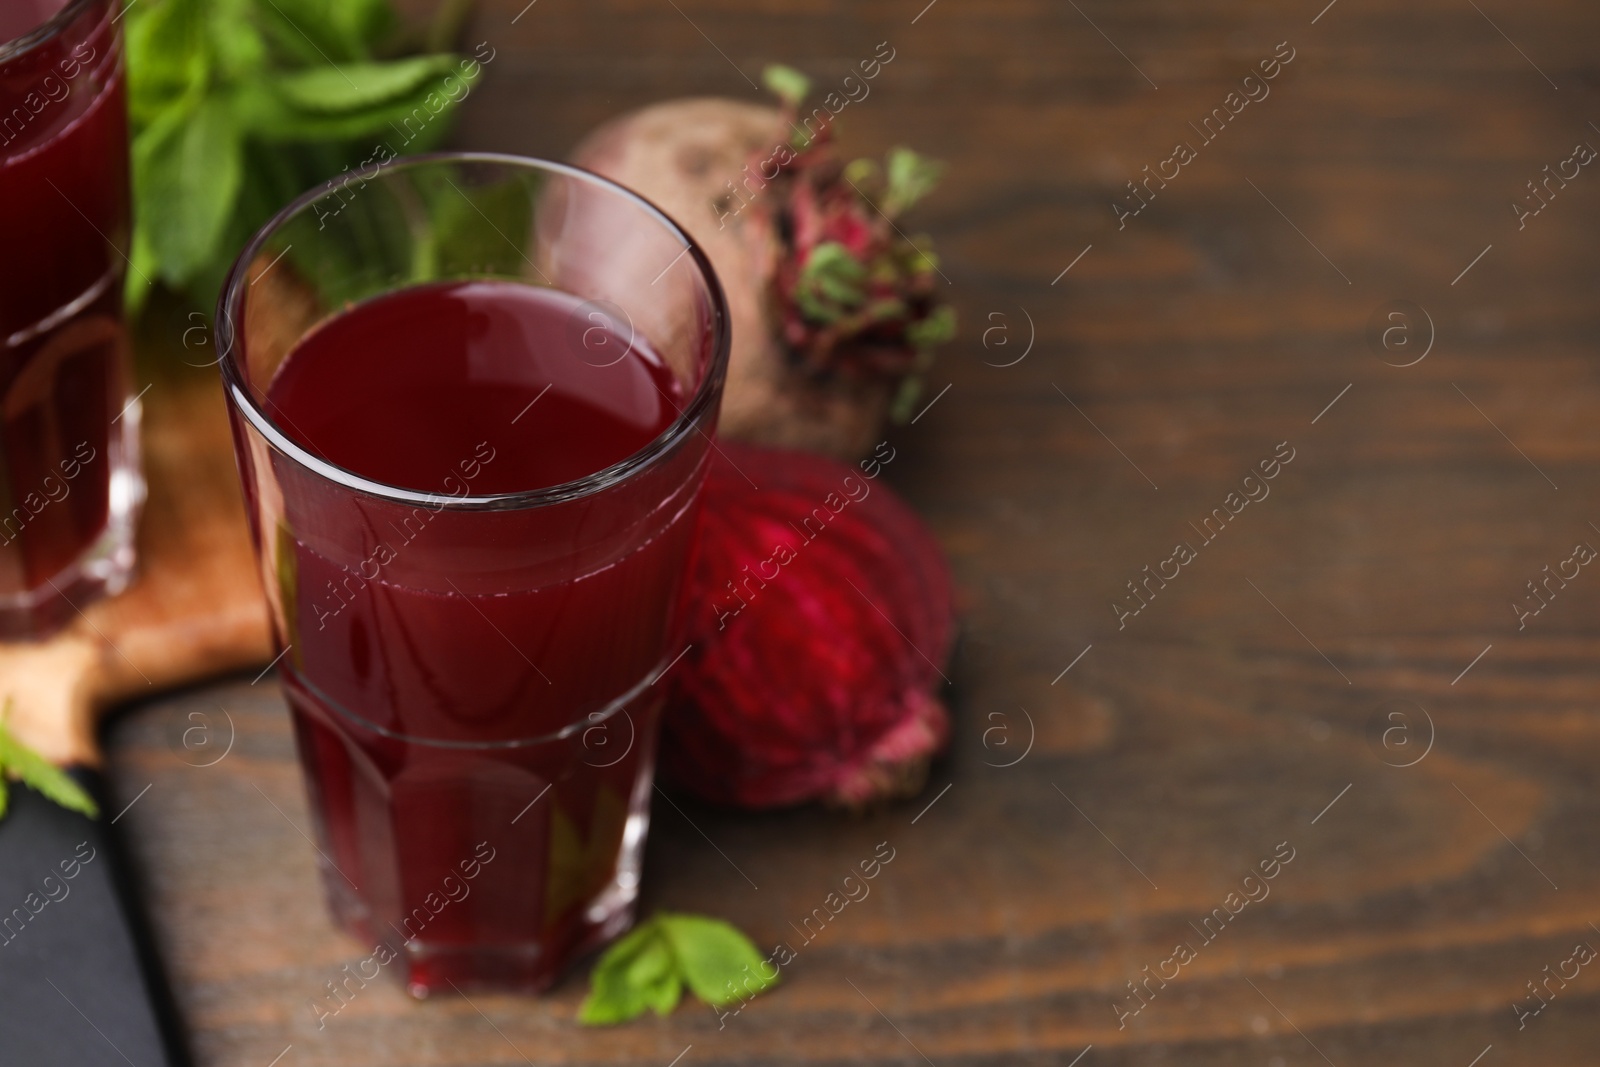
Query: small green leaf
point(936, 329)
point(603, 1007)
point(831, 282)
point(719, 964)
point(653, 973)
point(39, 774)
point(5, 798)
point(648, 968)
point(651, 964)
point(613, 998)
point(882, 310)
point(863, 171)
point(788, 84)
point(665, 994)
point(906, 396)
point(911, 177)
point(916, 257)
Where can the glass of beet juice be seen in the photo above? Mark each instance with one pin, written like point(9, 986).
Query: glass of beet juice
point(472, 401)
point(69, 428)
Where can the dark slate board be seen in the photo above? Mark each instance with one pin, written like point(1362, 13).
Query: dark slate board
point(79, 986)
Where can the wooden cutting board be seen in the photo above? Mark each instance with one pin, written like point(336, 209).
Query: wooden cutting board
point(194, 610)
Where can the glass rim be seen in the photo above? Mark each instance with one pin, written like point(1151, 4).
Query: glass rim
point(48, 30)
point(230, 308)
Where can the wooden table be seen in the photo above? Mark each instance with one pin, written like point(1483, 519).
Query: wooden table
point(1358, 618)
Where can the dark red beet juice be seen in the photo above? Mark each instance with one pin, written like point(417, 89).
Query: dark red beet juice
point(471, 689)
point(68, 450)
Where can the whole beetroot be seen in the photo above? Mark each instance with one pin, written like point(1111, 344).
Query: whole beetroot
point(834, 312)
point(818, 612)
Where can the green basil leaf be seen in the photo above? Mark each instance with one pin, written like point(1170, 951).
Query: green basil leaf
point(260, 112)
point(651, 964)
point(294, 84)
point(478, 230)
point(649, 967)
point(719, 964)
point(356, 87)
point(142, 270)
point(167, 53)
point(605, 1006)
point(366, 21)
point(187, 171)
point(240, 51)
point(654, 976)
point(311, 31)
point(664, 995)
point(410, 123)
point(42, 776)
point(788, 84)
point(365, 241)
point(613, 997)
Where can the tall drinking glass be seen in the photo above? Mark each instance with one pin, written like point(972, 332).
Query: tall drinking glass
point(472, 399)
point(69, 428)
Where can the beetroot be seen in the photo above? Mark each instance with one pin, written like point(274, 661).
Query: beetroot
point(817, 612)
point(835, 313)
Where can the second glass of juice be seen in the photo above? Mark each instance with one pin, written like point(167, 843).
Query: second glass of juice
point(70, 487)
point(473, 399)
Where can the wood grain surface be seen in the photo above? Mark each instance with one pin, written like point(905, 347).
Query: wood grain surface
point(1109, 787)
